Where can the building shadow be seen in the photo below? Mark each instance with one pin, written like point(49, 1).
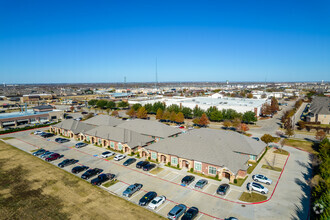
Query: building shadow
point(302, 210)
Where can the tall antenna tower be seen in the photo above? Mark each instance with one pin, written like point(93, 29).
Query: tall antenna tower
point(156, 74)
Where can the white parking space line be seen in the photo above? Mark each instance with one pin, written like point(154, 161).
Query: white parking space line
point(138, 193)
point(227, 193)
point(121, 188)
point(175, 177)
point(163, 206)
point(207, 187)
point(199, 216)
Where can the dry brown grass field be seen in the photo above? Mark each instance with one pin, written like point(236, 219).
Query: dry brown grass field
point(34, 189)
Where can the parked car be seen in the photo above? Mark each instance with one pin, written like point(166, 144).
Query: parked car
point(156, 202)
point(190, 214)
point(257, 187)
point(39, 152)
point(256, 138)
point(149, 166)
point(201, 183)
point(129, 161)
point(129, 191)
point(47, 135)
point(187, 180)
point(106, 154)
point(222, 189)
point(46, 154)
point(61, 140)
point(141, 164)
point(176, 211)
point(80, 144)
point(79, 169)
point(103, 178)
point(90, 173)
point(67, 162)
point(37, 132)
point(53, 156)
point(262, 179)
point(148, 197)
point(231, 218)
point(119, 157)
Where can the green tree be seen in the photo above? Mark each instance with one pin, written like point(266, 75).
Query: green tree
point(249, 117)
point(92, 102)
point(216, 116)
point(123, 104)
point(158, 105)
point(148, 107)
point(173, 108)
point(136, 106)
point(187, 112)
point(267, 138)
point(102, 103)
point(111, 105)
point(198, 112)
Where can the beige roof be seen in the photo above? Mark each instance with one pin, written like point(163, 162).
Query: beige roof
point(218, 147)
point(150, 128)
point(131, 138)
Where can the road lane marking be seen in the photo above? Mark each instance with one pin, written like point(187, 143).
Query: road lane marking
point(163, 206)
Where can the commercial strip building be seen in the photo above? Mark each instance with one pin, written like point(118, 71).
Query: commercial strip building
point(36, 115)
point(208, 151)
point(211, 152)
point(319, 110)
point(240, 105)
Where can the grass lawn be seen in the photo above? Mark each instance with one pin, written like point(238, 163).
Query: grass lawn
point(156, 170)
point(207, 177)
point(302, 144)
point(7, 138)
point(239, 182)
point(110, 183)
point(31, 188)
point(271, 168)
point(173, 167)
point(251, 168)
point(252, 197)
point(283, 152)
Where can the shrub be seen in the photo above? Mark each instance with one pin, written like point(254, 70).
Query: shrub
point(235, 181)
point(177, 166)
point(157, 160)
point(191, 169)
point(168, 164)
point(149, 158)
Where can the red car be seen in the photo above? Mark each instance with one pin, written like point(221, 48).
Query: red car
point(53, 157)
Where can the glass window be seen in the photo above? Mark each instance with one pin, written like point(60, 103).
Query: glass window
point(174, 160)
point(120, 146)
point(198, 166)
point(252, 157)
point(112, 145)
point(212, 170)
point(154, 155)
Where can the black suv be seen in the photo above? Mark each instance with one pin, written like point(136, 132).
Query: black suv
point(102, 178)
point(129, 161)
point(79, 169)
point(90, 173)
point(47, 135)
point(187, 180)
point(141, 164)
point(147, 198)
point(67, 162)
point(61, 140)
point(149, 166)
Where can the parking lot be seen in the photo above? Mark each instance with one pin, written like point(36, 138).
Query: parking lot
point(167, 182)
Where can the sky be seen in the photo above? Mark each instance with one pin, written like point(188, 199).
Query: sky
point(208, 40)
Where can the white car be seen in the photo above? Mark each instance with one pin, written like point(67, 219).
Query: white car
point(107, 154)
point(257, 187)
point(38, 132)
point(119, 157)
point(262, 179)
point(156, 202)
